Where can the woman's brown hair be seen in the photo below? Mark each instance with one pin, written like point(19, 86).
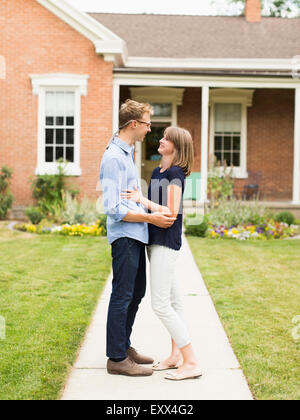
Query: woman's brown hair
point(184, 148)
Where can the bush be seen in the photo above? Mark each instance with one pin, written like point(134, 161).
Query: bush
point(34, 214)
point(79, 212)
point(102, 221)
point(220, 183)
point(236, 212)
point(285, 217)
point(196, 225)
point(48, 190)
point(6, 198)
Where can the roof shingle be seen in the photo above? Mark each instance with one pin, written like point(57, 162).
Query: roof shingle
point(174, 36)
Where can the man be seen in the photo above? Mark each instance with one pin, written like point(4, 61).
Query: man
point(127, 232)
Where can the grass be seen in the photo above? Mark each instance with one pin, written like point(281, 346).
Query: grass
point(256, 290)
point(49, 287)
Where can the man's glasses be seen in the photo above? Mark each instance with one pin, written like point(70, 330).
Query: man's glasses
point(148, 124)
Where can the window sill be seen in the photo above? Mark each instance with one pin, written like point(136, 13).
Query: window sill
point(52, 169)
point(238, 173)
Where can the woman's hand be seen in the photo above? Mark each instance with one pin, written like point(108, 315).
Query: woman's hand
point(132, 195)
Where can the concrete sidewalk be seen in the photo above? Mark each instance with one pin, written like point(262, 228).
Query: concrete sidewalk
point(223, 378)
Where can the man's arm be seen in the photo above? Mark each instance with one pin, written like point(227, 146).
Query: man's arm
point(161, 219)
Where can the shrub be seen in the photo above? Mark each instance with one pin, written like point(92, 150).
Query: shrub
point(48, 190)
point(235, 212)
point(102, 221)
point(34, 214)
point(6, 198)
point(220, 183)
point(285, 217)
point(79, 212)
point(196, 225)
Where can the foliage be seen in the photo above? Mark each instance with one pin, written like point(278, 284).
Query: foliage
point(195, 225)
point(220, 182)
point(102, 223)
point(286, 217)
point(234, 212)
point(34, 214)
point(79, 212)
point(268, 230)
point(48, 190)
point(67, 230)
point(6, 198)
point(276, 8)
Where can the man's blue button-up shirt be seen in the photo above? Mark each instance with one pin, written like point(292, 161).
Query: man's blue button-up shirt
point(118, 173)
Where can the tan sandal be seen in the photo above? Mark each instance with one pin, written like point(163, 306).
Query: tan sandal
point(159, 367)
point(179, 377)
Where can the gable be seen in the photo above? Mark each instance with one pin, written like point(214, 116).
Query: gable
point(106, 43)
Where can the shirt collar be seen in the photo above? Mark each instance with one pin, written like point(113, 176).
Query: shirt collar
point(124, 146)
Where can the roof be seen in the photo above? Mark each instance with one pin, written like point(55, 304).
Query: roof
point(174, 36)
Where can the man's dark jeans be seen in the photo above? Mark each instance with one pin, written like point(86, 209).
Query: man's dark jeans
point(128, 289)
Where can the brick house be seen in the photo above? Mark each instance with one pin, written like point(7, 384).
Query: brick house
point(231, 81)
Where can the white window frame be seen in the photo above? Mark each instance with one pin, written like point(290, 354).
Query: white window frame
point(55, 83)
point(237, 96)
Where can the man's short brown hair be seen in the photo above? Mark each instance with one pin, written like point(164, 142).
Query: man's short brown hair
point(132, 110)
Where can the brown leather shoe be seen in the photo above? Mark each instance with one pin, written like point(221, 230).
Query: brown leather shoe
point(139, 358)
point(128, 368)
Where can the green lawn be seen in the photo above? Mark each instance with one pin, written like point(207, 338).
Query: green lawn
point(256, 289)
point(49, 287)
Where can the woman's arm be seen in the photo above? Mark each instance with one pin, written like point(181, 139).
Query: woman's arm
point(174, 200)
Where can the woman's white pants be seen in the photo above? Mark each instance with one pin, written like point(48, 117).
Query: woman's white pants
point(167, 302)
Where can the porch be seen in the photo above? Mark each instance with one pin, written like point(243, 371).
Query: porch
point(263, 128)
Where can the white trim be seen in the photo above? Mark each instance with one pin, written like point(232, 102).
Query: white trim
point(296, 176)
point(41, 84)
point(59, 80)
point(105, 41)
point(242, 96)
point(212, 63)
point(245, 98)
point(204, 143)
point(157, 94)
point(150, 79)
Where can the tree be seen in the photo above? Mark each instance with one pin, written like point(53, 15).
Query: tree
point(277, 8)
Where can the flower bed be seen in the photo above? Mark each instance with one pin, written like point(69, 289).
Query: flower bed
point(268, 230)
point(66, 229)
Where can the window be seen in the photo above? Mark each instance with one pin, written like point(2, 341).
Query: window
point(228, 128)
point(59, 126)
point(227, 135)
point(59, 121)
point(162, 110)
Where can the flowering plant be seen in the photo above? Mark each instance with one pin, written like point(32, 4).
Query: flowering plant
point(268, 230)
point(66, 229)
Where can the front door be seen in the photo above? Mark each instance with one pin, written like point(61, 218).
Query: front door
point(150, 157)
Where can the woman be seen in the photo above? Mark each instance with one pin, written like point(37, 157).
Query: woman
point(165, 195)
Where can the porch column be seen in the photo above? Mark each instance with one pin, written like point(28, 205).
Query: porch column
point(296, 184)
point(204, 143)
point(116, 104)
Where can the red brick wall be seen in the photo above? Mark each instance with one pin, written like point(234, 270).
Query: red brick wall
point(34, 41)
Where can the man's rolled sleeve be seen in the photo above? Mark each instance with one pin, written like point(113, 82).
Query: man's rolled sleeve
point(113, 180)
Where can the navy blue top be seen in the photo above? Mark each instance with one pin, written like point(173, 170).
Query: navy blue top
point(158, 193)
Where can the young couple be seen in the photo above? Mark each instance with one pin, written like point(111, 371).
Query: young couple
point(133, 222)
